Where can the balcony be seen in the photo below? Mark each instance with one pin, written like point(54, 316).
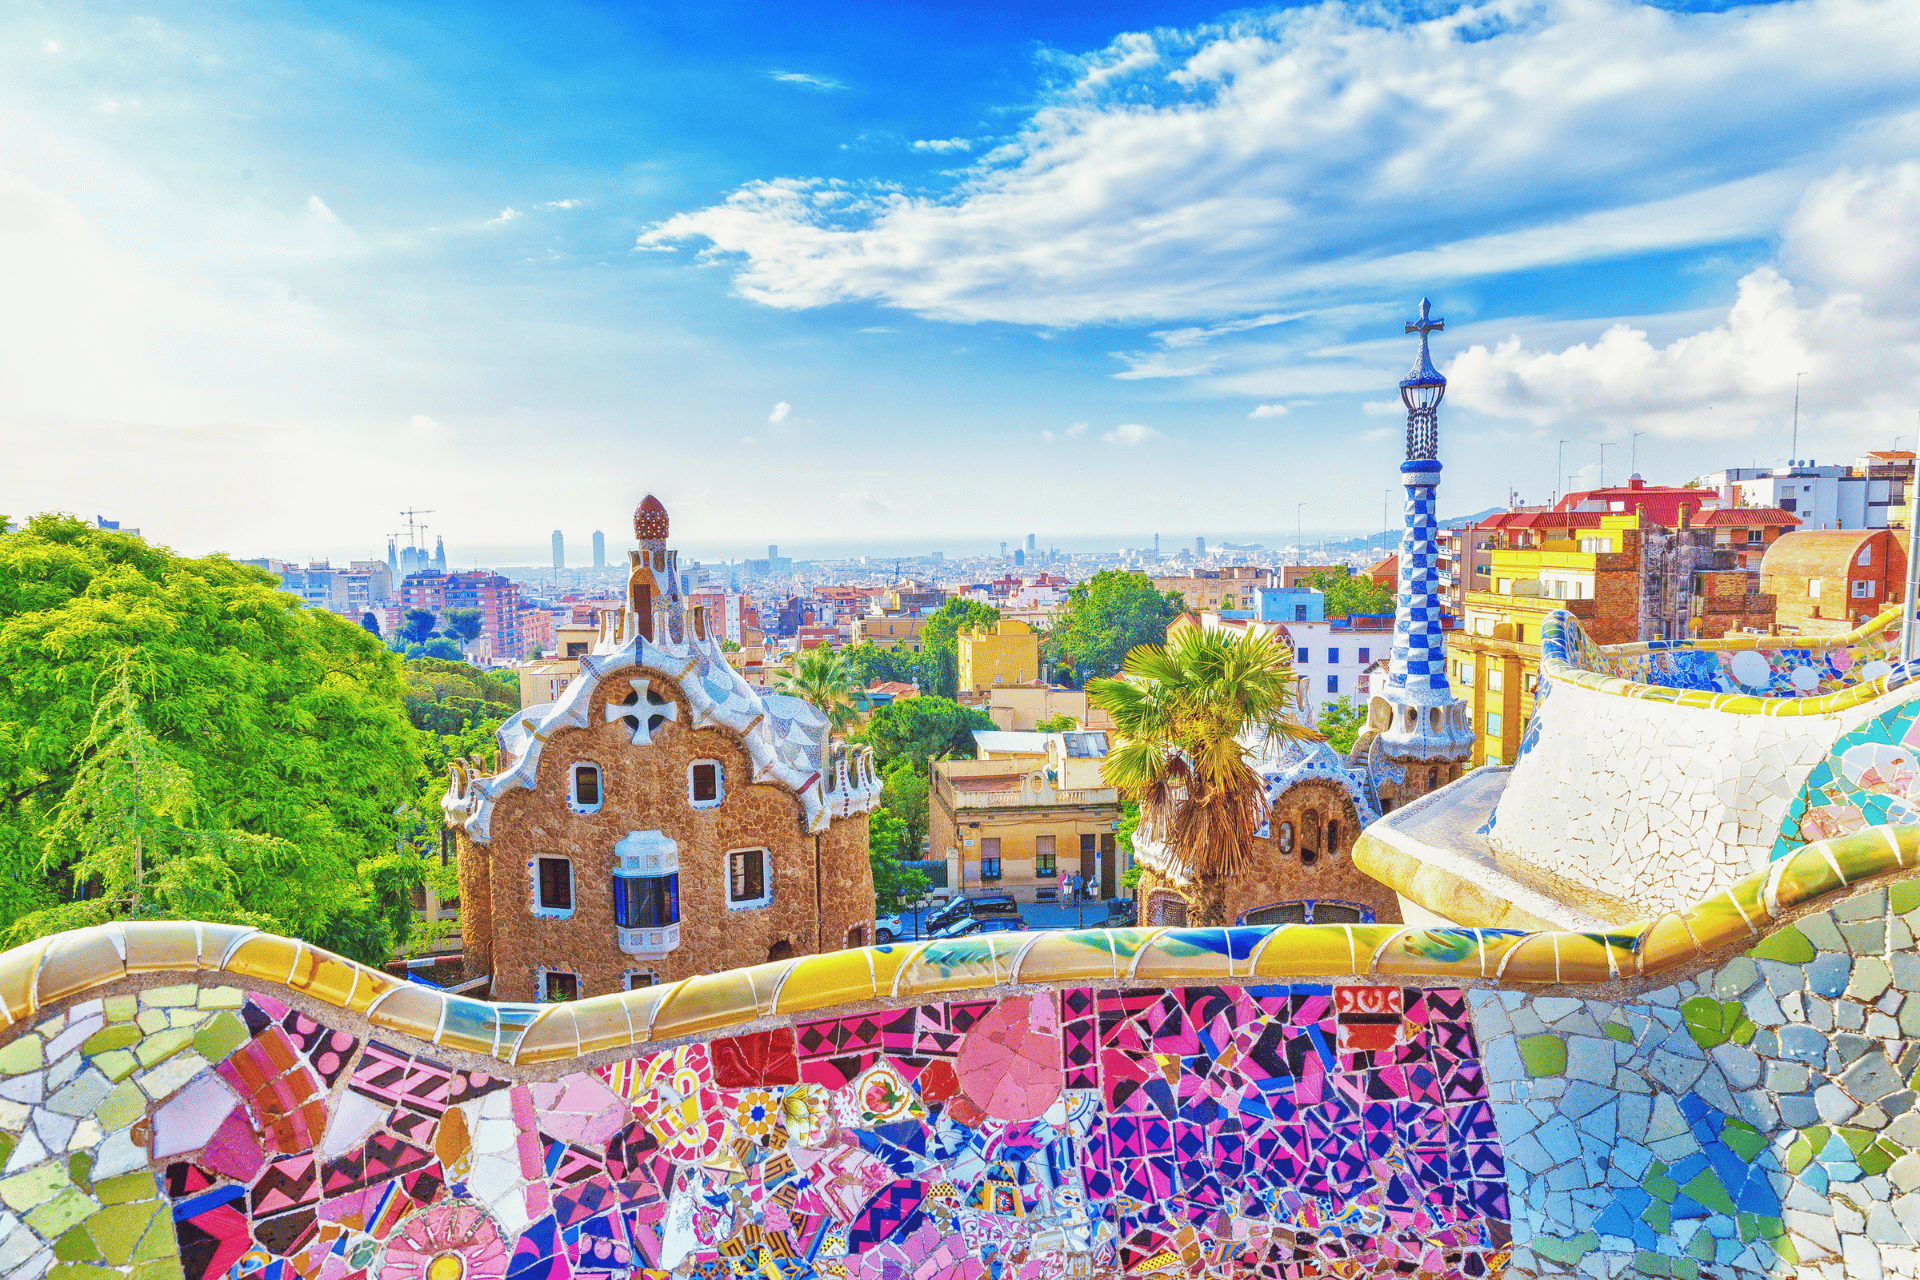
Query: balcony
point(1018, 794)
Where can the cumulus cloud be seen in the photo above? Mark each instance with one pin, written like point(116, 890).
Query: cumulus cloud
point(1216, 171)
point(506, 215)
point(780, 412)
point(1130, 433)
point(561, 204)
point(824, 84)
point(1268, 411)
point(1073, 432)
point(1847, 320)
point(943, 145)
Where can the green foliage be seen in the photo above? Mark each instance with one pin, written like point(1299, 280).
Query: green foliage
point(873, 665)
point(824, 679)
point(1183, 715)
point(893, 884)
point(1062, 723)
point(194, 705)
point(1349, 593)
point(903, 790)
point(1105, 618)
point(939, 659)
point(438, 647)
point(1341, 722)
point(464, 624)
point(417, 625)
point(728, 646)
point(1123, 838)
point(920, 729)
point(370, 623)
point(446, 697)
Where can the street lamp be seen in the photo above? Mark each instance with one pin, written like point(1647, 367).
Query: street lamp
point(1421, 391)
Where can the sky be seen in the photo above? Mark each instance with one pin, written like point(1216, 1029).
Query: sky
point(903, 277)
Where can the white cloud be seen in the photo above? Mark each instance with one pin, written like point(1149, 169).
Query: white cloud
point(780, 412)
point(1268, 411)
point(877, 328)
point(825, 84)
point(943, 145)
point(866, 503)
point(1848, 321)
point(1130, 433)
point(51, 46)
point(1075, 431)
point(1217, 171)
point(561, 204)
point(1156, 364)
point(1381, 408)
point(506, 215)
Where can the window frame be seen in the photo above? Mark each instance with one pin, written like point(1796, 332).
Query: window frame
point(719, 784)
point(627, 982)
point(765, 896)
point(1051, 866)
point(536, 874)
point(573, 786)
point(545, 975)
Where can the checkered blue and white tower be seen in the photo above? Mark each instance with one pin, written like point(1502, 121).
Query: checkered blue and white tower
point(1416, 715)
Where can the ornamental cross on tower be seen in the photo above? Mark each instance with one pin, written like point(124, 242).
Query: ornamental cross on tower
point(1421, 392)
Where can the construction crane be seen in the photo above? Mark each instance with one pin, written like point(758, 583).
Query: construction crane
point(412, 526)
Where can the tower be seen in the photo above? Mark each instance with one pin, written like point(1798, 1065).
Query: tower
point(559, 551)
point(440, 553)
point(1420, 732)
point(1200, 546)
point(393, 559)
point(1030, 546)
point(599, 549)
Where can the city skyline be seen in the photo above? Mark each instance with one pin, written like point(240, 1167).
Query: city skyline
point(273, 263)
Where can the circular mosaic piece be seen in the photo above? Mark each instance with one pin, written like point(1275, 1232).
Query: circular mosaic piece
point(1750, 669)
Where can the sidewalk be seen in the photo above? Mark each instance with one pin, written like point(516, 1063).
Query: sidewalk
point(1040, 915)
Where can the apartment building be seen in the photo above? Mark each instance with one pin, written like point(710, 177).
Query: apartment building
point(1829, 581)
point(1226, 588)
point(1008, 653)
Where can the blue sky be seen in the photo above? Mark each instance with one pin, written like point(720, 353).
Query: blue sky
point(908, 277)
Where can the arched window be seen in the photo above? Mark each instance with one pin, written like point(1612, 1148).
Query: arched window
point(1311, 835)
point(1433, 778)
point(1333, 835)
point(781, 950)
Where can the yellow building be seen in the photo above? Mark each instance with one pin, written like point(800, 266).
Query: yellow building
point(545, 679)
point(1008, 654)
point(895, 632)
point(1033, 808)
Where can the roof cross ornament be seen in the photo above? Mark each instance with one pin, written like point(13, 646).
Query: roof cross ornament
point(1424, 326)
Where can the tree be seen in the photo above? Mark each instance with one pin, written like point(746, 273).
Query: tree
point(1185, 715)
point(893, 884)
point(1349, 593)
point(823, 679)
point(920, 729)
point(370, 623)
point(1108, 616)
point(417, 625)
point(447, 697)
point(438, 647)
point(903, 790)
point(1341, 722)
point(286, 746)
point(939, 662)
point(1062, 723)
point(464, 625)
point(873, 665)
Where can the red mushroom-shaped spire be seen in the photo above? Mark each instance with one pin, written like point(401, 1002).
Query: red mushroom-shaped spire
point(650, 521)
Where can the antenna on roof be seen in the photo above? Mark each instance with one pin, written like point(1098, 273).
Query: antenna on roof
point(1793, 449)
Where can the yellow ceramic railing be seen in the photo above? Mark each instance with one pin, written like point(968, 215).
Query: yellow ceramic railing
point(65, 965)
point(1556, 647)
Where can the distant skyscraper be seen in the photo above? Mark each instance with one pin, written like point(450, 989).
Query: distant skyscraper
point(559, 551)
point(440, 553)
point(1003, 551)
point(1030, 546)
point(1156, 546)
point(1199, 546)
point(393, 559)
point(1019, 556)
point(599, 549)
point(773, 552)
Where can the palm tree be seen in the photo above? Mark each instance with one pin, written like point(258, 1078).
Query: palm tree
point(1185, 714)
point(828, 681)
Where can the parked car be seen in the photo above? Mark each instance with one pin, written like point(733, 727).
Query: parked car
point(886, 929)
point(970, 925)
point(995, 904)
point(1121, 912)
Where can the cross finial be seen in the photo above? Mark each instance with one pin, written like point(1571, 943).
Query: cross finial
point(1424, 326)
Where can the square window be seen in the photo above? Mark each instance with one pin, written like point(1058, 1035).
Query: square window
point(747, 878)
point(1366, 656)
point(1333, 684)
point(1304, 656)
point(1043, 856)
point(555, 986)
point(1333, 657)
point(705, 784)
point(1866, 555)
point(640, 979)
point(1863, 590)
point(646, 902)
point(989, 868)
point(556, 884)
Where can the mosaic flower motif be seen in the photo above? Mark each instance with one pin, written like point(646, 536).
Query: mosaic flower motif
point(806, 1112)
point(881, 1094)
point(454, 1240)
point(758, 1116)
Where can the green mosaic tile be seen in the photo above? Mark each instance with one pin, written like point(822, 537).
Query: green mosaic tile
point(127, 1188)
point(80, 1169)
point(178, 997)
point(1701, 1246)
point(220, 1037)
point(34, 1186)
point(80, 1271)
point(1544, 1055)
point(1879, 1157)
point(1748, 1226)
point(1857, 1140)
point(1705, 1189)
point(122, 1107)
point(22, 1056)
point(1746, 1141)
point(1618, 1031)
point(221, 998)
point(116, 1064)
point(77, 1246)
point(58, 1215)
point(1714, 1022)
point(7, 1143)
point(1659, 1216)
point(122, 1008)
point(165, 1270)
point(1651, 1264)
point(1782, 1244)
point(117, 1036)
point(1789, 946)
point(122, 1226)
point(1684, 1268)
point(161, 1045)
point(1660, 1187)
point(1567, 1251)
point(160, 1241)
point(151, 1020)
point(1905, 896)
